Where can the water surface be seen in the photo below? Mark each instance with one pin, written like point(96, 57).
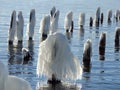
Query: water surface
point(104, 74)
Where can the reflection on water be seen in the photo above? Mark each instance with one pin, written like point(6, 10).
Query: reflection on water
point(16, 63)
point(15, 54)
point(63, 86)
point(30, 46)
point(69, 35)
point(101, 66)
point(81, 33)
point(117, 56)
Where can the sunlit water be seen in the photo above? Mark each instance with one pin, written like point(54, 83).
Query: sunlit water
point(104, 74)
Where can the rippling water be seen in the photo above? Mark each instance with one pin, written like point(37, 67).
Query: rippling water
point(96, 79)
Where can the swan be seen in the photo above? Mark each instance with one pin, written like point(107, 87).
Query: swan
point(45, 26)
point(56, 61)
point(81, 20)
point(12, 29)
point(87, 53)
point(109, 16)
point(68, 21)
point(102, 44)
point(9, 82)
point(54, 22)
point(20, 27)
point(31, 24)
point(117, 37)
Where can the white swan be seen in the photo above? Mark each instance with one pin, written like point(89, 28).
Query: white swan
point(87, 53)
point(68, 21)
point(31, 24)
point(12, 29)
point(54, 22)
point(81, 20)
point(8, 82)
point(20, 27)
point(56, 58)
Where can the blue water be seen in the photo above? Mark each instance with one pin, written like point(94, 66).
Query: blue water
point(96, 79)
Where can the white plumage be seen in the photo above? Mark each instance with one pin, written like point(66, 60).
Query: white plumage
point(31, 24)
point(45, 25)
point(81, 20)
point(20, 26)
point(54, 22)
point(13, 27)
point(55, 57)
point(8, 82)
point(68, 20)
